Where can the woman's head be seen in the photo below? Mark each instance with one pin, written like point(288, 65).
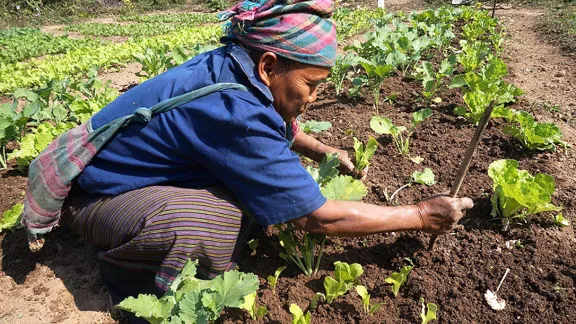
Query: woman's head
point(293, 85)
point(293, 44)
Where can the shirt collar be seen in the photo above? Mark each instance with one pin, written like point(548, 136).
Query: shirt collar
point(243, 60)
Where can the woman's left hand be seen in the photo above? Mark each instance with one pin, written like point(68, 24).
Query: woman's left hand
point(347, 166)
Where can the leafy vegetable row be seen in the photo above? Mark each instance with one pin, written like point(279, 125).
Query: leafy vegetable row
point(38, 72)
point(18, 44)
point(133, 30)
point(189, 18)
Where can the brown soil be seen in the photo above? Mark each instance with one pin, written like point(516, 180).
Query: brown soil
point(60, 284)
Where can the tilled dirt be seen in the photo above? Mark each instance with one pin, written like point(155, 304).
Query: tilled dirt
point(61, 283)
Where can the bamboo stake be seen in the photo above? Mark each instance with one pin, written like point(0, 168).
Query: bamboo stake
point(467, 159)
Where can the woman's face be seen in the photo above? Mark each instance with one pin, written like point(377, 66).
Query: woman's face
point(293, 87)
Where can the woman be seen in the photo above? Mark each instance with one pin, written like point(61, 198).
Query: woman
point(197, 180)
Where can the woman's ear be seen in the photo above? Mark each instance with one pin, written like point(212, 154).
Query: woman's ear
point(268, 67)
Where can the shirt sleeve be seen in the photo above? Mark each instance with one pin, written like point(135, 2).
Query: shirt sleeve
point(241, 142)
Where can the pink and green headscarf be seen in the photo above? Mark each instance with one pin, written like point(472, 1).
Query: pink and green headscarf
point(298, 30)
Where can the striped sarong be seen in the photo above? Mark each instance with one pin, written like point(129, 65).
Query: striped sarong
point(158, 228)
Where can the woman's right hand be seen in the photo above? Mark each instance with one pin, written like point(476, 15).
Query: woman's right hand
point(439, 214)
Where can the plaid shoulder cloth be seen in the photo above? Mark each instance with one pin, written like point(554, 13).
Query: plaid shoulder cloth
point(51, 174)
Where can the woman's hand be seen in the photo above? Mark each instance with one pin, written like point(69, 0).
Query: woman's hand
point(439, 214)
point(347, 166)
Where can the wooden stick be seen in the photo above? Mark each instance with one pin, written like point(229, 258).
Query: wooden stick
point(467, 159)
point(494, 8)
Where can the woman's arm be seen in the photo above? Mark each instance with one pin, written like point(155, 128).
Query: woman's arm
point(348, 218)
point(316, 150)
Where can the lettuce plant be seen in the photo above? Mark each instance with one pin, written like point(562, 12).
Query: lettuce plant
point(189, 299)
point(363, 153)
point(534, 135)
point(298, 315)
point(273, 280)
point(518, 194)
point(383, 125)
point(255, 312)
point(11, 218)
point(368, 309)
point(345, 277)
point(397, 279)
point(428, 312)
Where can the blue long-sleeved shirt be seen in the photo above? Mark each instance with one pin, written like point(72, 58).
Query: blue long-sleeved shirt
point(232, 138)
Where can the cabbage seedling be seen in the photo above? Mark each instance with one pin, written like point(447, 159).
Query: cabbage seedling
point(428, 312)
point(299, 316)
point(273, 280)
point(383, 125)
point(256, 313)
point(368, 310)
point(397, 279)
point(345, 276)
point(363, 153)
point(425, 177)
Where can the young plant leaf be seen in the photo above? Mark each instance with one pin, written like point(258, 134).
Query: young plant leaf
point(148, 307)
point(344, 188)
point(299, 316)
point(363, 154)
point(11, 218)
point(397, 279)
point(428, 312)
point(561, 221)
point(425, 177)
point(313, 126)
point(228, 290)
point(273, 280)
point(419, 116)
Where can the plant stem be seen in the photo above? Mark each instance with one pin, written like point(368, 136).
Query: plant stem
point(3, 158)
point(502, 280)
point(398, 190)
point(320, 255)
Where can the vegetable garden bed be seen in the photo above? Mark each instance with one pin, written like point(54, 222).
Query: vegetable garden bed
point(463, 265)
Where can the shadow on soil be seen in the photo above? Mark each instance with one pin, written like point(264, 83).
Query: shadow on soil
point(71, 260)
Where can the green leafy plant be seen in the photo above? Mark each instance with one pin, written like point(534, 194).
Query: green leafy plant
point(434, 80)
point(11, 218)
point(314, 301)
point(534, 135)
point(345, 277)
point(483, 87)
point(363, 153)
point(34, 143)
point(518, 194)
point(312, 126)
point(425, 177)
point(339, 72)
point(383, 125)
point(397, 279)
point(428, 312)
point(376, 75)
point(189, 299)
point(368, 309)
point(561, 221)
point(273, 280)
point(256, 312)
point(298, 315)
point(302, 252)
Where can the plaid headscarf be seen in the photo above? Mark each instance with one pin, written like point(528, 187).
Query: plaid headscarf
point(298, 30)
